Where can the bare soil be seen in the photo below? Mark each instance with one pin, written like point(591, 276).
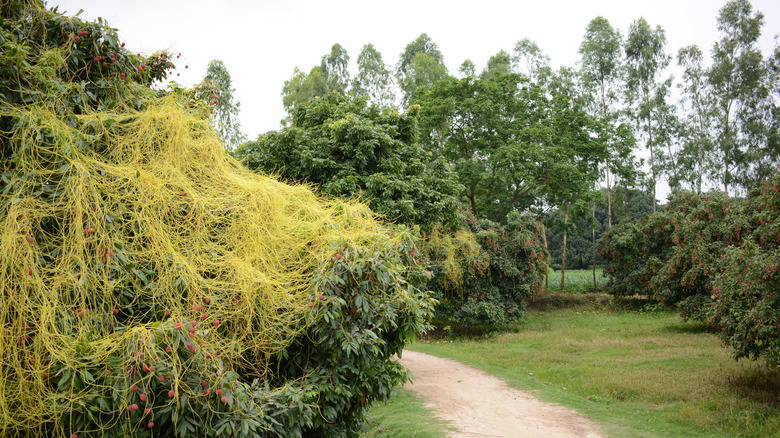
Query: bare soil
point(480, 405)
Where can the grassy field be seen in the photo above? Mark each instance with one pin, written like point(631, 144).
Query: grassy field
point(577, 280)
point(636, 374)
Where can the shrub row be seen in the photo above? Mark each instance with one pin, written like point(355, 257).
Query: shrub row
point(713, 257)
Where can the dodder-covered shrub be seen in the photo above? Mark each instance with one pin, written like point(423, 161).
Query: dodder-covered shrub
point(150, 285)
point(507, 270)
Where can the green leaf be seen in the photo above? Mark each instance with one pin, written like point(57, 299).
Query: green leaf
point(140, 276)
point(65, 379)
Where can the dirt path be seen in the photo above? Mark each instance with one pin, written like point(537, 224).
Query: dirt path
point(479, 405)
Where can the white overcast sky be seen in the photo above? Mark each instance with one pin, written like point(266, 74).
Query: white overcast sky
point(262, 41)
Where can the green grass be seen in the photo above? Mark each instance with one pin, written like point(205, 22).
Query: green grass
point(404, 416)
point(577, 279)
point(635, 374)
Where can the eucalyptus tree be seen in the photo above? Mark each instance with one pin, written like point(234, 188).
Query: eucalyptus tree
point(226, 106)
point(335, 66)
point(302, 87)
point(602, 51)
point(669, 131)
point(773, 79)
point(601, 75)
point(373, 79)
point(420, 64)
point(530, 60)
point(330, 76)
point(646, 59)
point(698, 102)
point(738, 80)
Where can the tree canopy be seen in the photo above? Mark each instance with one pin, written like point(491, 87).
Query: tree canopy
point(510, 142)
point(348, 147)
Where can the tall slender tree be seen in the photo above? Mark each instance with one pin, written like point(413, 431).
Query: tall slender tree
point(737, 78)
point(335, 66)
point(602, 53)
point(530, 60)
point(773, 79)
point(330, 76)
point(698, 104)
point(303, 87)
point(226, 106)
point(601, 75)
point(373, 79)
point(420, 64)
point(667, 135)
point(646, 59)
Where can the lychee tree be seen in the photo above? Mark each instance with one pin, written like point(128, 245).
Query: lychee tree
point(150, 285)
point(675, 254)
point(745, 300)
point(496, 268)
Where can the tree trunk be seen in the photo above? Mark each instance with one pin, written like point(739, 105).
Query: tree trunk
point(652, 159)
point(608, 161)
point(703, 141)
point(547, 273)
point(593, 229)
point(625, 205)
point(726, 154)
point(673, 161)
point(609, 200)
point(563, 257)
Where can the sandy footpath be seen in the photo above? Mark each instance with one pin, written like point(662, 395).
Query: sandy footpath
point(479, 405)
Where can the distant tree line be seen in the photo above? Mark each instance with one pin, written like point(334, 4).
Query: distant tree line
point(428, 147)
point(559, 144)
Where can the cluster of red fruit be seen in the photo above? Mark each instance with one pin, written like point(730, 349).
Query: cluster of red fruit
point(77, 38)
point(101, 61)
point(121, 66)
point(157, 66)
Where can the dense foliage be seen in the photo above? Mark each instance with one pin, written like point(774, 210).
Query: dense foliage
point(482, 273)
point(371, 302)
point(745, 301)
point(628, 205)
point(152, 286)
point(348, 148)
point(521, 136)
point(714, 257)
point(510, 142)
point(498, 278)
point(674, 254)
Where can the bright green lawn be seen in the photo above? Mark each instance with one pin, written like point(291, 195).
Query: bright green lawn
point(577, 280)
